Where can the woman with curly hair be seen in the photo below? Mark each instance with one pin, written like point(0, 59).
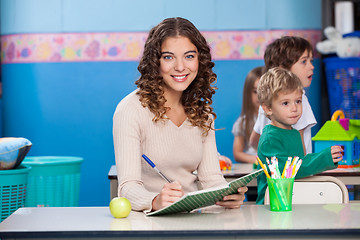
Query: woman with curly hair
point(169, 118)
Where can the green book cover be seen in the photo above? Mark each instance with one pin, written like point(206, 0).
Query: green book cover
point(206, 197)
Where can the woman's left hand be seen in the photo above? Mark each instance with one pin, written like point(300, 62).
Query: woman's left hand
point(234, 200)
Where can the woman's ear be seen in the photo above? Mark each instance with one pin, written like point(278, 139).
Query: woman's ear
point(267, 109)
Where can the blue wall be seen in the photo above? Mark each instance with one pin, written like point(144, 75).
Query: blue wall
point(67, 108)
point(37, 16)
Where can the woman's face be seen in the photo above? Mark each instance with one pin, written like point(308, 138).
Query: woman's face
point(179, 63)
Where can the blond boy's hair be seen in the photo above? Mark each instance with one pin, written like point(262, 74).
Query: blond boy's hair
point(277, 80)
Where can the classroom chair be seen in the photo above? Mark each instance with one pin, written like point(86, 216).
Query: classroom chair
point(317, 190)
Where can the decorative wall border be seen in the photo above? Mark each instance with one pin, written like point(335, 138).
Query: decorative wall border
point(119, 46)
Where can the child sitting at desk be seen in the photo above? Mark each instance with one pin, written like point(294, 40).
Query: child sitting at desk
point(280, 95)
point(243, 126)
point(294, 54)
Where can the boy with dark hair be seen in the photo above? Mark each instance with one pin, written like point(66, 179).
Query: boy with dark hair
point(296, 55)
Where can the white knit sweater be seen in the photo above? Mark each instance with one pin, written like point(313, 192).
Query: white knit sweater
point(176, 151)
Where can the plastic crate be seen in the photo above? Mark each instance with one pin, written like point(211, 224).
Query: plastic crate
point(12, 190)
point(343, 80)
point(54, 181)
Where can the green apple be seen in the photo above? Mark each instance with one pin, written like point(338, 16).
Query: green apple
point(120, 207)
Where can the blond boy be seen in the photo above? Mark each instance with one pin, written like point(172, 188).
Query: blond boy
point(280, 95)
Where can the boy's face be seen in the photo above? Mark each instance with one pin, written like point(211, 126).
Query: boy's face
point(285, 110)
point(304, 68)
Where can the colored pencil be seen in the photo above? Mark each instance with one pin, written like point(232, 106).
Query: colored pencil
point(263, 167)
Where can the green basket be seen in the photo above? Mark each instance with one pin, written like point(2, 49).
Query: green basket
point(54, 181)
point(12, 190)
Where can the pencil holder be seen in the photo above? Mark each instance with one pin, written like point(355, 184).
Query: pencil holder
point(280, 193)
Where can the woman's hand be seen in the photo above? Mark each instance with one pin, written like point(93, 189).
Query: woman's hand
point(234, 200)
point(171, 192)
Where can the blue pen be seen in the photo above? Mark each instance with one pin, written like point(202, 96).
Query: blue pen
point(154, 167)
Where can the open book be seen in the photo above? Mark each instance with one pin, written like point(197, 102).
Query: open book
point(206, 197)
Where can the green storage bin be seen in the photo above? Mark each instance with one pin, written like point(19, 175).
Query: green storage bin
point(12, 189)
point(54, 181)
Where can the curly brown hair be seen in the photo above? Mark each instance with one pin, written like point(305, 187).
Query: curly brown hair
point(286, 51)
point(197, 98)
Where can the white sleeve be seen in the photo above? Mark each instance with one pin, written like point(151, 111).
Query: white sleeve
point(306, 122)
point(238, 130)
point(307, 118)
point(261, 121)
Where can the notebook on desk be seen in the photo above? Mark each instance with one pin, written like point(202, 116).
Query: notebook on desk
point(206, 197)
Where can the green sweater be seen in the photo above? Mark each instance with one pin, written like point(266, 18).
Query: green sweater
point(283, 143)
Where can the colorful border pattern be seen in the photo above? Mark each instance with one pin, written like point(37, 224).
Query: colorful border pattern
point(90, 47)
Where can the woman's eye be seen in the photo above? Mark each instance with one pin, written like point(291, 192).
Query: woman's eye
point(189, 56)
point(167, 57)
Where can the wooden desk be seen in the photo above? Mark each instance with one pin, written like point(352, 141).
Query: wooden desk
point(348, 176)
point(333, 221)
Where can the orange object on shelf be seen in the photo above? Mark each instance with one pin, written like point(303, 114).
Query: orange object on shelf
point(224, 165)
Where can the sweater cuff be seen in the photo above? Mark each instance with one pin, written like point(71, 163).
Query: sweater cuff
point(330, 163)
point(148, 208)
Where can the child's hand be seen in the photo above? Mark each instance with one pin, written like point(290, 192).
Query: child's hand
point(226, 160)
point(337, 153)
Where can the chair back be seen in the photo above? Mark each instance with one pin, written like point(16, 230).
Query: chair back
point(317, 190)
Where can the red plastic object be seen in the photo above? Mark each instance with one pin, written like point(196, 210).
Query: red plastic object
point(224, 165)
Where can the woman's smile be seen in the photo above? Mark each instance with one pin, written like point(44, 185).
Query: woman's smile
point(180, 78)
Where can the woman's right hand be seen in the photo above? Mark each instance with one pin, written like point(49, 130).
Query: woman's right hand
point(171, 192)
